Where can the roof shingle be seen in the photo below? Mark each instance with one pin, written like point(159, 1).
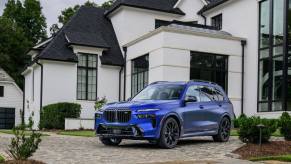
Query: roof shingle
point(88, 27)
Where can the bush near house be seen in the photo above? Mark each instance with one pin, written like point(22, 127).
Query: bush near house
point(285, 126)
point(237, 121)
point(250, 133)
point(53, 116)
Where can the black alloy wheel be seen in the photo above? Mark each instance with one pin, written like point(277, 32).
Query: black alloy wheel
point(223, 131)
point(170, 134)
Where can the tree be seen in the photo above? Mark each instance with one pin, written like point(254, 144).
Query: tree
point(13, 46)
point(108, 4)
point(29, 17)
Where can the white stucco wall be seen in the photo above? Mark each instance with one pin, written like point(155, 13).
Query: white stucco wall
point(169, 58)
point(13, 98)
point(240, 18)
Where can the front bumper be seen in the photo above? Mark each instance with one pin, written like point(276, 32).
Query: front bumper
point(134, 129)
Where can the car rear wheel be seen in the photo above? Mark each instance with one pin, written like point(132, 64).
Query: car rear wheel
point(223, 131)
point(170, 134)
point(110, 141)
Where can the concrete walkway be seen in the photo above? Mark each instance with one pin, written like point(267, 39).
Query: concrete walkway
point(56, 149)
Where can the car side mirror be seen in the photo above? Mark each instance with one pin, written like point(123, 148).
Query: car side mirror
point(189, 99)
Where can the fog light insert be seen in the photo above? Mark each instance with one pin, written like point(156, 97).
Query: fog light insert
point(146, 116)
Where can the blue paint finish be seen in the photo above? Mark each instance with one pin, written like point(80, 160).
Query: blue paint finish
point(194, 118)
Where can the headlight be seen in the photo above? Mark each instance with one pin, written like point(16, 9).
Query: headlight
point(147, 110)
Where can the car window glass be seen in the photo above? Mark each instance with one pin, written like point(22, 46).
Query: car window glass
point(193, 91)
point(219, 95)
point(207, 94)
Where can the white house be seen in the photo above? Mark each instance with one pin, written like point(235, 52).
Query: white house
point(11, 101)
point(240, 44)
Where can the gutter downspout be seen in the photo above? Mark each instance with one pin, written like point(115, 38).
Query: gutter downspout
point(120, 71)
point(23, 101)
point(41, 83)
point(205, 19)
point(243, 44)
point(124, 74)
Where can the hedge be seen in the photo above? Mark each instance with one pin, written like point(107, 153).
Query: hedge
point(53, 116)
point(249, 132)
point(285, 126)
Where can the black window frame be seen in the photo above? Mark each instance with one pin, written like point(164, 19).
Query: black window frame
point(270, 58)
point(87, 68)
point(213, 69)
point(216, 21)
point(135, 91)
point(2, 91)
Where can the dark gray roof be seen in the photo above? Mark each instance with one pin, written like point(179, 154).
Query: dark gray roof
point(211, 4)
point(158, 5)
point(88, 27)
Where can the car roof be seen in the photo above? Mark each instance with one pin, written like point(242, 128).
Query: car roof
point(198, 82)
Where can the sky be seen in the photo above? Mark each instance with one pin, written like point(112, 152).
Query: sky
point(52, 8)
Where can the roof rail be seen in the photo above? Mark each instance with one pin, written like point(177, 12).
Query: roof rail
point(203, 81)
point(156, 82)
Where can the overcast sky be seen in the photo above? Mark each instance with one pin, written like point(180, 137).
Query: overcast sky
point(52, 8)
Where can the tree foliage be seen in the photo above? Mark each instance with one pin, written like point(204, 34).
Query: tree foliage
point(22, 25)
point(13, 45)
point(29, 17)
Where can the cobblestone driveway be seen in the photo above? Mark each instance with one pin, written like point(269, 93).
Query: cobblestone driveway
point(65, 149)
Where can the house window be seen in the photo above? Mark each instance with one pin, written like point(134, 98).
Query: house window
point(216, 21)
point(271, 56)
point(210, 67)
point(1, 91)
point(139, 74)
point(87, 77)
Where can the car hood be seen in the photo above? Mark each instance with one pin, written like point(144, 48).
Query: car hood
point(135, 105)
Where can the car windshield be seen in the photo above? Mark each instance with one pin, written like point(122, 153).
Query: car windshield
point(160, 92)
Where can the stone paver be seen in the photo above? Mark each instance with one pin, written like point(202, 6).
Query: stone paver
point(67, 149)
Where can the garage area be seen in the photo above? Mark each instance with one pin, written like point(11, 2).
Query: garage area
point(7, 118)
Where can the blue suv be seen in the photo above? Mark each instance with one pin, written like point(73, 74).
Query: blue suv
point(164, 112)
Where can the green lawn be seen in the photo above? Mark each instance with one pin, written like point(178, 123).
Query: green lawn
point(235, 133)
point(82, 133)
point(11, 132)
point(283, 158)
point(1, 159)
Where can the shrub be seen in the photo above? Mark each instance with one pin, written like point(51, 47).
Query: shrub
point(22, 145)
point(285, 126)
point(237, 121)
point(100, 102)
point(249, 132)
point(53, 116)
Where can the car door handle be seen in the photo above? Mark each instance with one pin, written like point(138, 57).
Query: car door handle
point(219, 105)
point(201, 106)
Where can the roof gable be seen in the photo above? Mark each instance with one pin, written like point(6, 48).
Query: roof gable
point(157, 5)
point(211, 4)
point(88, 27)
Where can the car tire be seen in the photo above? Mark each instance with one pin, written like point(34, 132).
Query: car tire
point(110, 141)
point(223, 131)
point(170, 134)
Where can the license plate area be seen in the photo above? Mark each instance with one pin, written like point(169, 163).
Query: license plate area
point(116, 131)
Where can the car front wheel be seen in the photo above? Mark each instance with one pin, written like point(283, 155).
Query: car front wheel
point(110, 141)
point(223, 131)
point(170, 133)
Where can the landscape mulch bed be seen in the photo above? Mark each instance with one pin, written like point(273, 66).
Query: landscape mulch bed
point(23, 162)
point(273, 148)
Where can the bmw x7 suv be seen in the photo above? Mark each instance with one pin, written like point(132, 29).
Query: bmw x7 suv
point(165, 112)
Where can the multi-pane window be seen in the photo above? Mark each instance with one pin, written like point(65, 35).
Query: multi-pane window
point(87, 77)
point(139, 74)
point(1, 91)
point(216, 21)
point(271, 56)
point(210, 67)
